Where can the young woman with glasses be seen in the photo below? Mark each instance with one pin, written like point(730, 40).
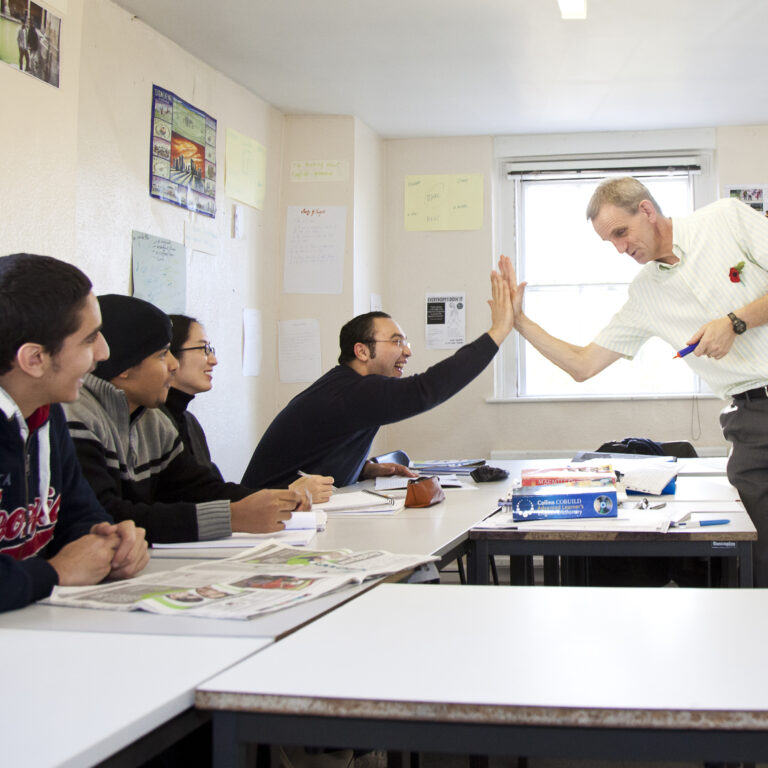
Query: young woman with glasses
point(197, 359)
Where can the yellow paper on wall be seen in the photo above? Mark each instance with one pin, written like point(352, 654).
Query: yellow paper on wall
point(443, 201)
point(246, 168)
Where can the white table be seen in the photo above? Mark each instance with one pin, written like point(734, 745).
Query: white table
point(441, 530)
point(75, 698)
point(732, 541)
point(584, 673)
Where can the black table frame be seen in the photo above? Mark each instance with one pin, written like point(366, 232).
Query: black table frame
point(233, 731)
point(482, 547)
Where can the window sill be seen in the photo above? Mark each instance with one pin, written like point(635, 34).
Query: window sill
point(599, 398)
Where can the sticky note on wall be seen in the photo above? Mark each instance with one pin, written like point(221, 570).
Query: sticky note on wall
point(443, 202)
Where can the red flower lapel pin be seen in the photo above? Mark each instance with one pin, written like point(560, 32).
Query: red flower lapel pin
point(734, 273)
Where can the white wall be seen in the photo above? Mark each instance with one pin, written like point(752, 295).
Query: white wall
point(78, 185)
point(39, 164)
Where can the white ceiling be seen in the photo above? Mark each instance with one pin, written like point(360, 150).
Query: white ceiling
point(460, 67)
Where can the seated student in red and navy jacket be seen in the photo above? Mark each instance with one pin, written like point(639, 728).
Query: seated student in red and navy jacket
point(52, 528)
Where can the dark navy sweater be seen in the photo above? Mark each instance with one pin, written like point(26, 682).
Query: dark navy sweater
point(328, 428)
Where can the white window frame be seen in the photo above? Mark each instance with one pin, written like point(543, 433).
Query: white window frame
point(628, 154)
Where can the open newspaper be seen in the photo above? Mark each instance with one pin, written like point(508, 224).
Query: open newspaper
point(262, 579)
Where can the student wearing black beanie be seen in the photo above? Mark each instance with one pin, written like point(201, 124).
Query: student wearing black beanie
point(135, 329)
point(131, 452)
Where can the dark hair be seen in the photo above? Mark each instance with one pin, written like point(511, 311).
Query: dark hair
point(40, 302)
point(181, 326)
point(359, 328)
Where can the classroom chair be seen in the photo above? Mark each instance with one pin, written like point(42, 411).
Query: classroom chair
point(397, 457)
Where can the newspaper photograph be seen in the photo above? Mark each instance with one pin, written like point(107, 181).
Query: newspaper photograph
point(262, 579)
point(364, 565)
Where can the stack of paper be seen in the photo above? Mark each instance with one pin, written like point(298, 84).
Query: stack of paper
point(360, 503)
point(299, 531)
point(447, 466)
point(398, 482)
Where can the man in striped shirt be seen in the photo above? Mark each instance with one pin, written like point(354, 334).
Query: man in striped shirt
point(704, 282)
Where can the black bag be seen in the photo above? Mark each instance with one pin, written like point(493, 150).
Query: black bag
point(641, 445)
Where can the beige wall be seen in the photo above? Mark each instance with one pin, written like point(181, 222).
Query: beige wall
point(316, 138)
point(423, 262)
point(347, 139)
point(467, 424)
point(74, 185)
point(742, 155)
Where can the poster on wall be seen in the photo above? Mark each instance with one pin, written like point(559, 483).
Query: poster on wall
point(29, 39)
point(754, 195)
point(446, 320)
point(182, 167)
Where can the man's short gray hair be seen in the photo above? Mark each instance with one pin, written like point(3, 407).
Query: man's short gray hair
point(624, 192)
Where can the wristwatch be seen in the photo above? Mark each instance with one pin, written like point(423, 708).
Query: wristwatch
point(738, 325)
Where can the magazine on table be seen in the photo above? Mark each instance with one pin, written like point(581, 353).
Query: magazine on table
point(261, 579)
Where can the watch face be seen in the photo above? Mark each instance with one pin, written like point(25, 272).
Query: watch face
point(739, 326)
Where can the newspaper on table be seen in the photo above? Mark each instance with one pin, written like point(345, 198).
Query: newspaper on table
point(261, 579)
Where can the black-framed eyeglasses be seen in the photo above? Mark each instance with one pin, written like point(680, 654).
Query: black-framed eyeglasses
point(401, 342)
point(207, 348)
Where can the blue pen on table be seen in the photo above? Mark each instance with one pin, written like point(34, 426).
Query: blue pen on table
point(686, 350)
point(700, 523)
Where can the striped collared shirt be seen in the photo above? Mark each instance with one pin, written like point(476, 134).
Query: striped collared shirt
point(673, 302)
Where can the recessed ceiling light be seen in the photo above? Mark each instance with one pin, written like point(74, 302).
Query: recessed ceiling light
point(573, 9)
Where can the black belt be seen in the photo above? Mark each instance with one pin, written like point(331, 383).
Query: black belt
point(761, 393)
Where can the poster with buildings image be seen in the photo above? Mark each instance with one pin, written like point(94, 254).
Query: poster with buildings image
point(182, 167)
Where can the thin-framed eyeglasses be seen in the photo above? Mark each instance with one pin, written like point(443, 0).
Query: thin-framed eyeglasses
point(401, 342)
point(207, 348)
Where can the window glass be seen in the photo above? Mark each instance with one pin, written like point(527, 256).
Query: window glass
point(576, 283)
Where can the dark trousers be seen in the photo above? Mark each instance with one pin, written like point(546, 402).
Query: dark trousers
point(745, 426)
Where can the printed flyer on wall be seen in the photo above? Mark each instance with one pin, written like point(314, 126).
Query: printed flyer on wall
point(446, 320)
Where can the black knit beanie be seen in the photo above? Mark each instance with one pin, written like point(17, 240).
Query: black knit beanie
point(134, 329)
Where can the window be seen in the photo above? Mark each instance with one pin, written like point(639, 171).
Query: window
point(576, 282)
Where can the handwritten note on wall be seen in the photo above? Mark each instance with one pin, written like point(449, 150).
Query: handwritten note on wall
point(251, 342)
point(319, 170)
point(299, 350)
point(159, 272)
point(444, 202)
point(314, 249)
point(246, 163)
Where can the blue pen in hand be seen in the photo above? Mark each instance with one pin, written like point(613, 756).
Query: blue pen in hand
point(686, 350)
